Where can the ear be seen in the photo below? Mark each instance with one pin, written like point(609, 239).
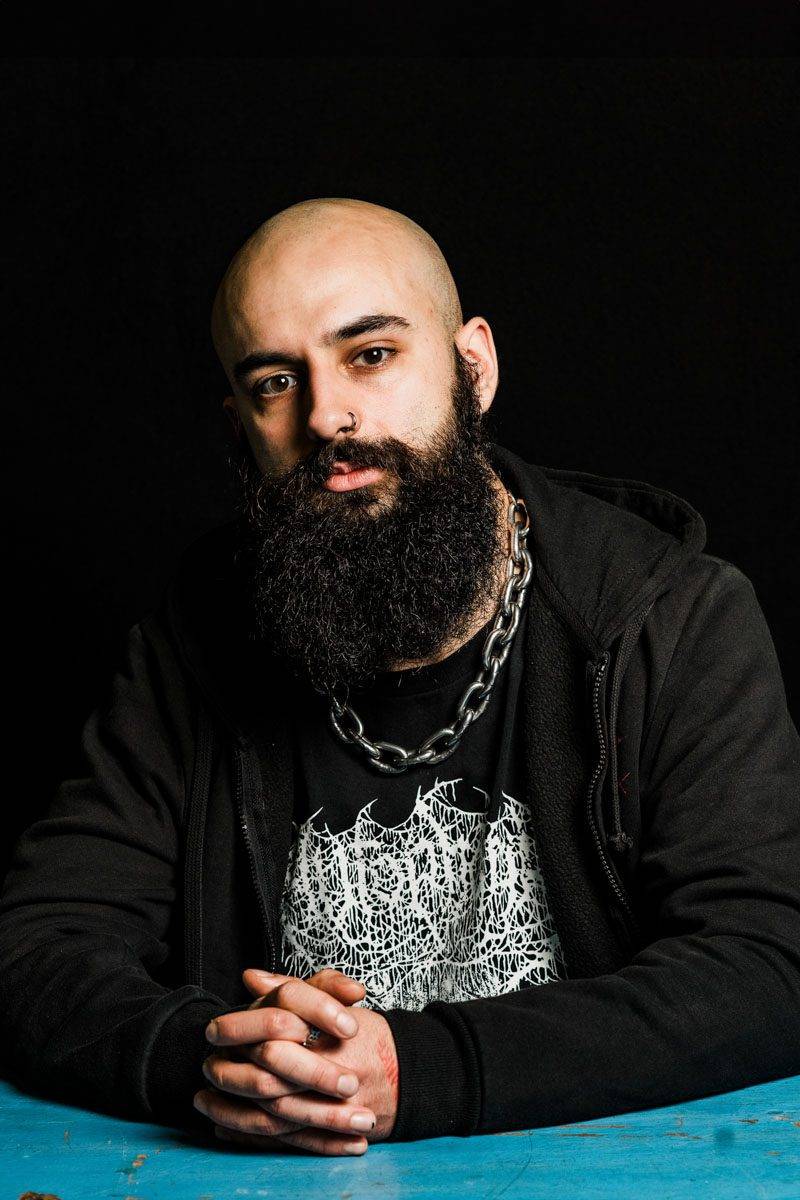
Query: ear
point(476, 342)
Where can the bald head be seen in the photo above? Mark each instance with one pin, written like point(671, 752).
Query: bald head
point(321, 248)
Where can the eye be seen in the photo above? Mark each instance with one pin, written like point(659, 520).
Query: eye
point(261, 388)
point(376, 350)
point(281, 383)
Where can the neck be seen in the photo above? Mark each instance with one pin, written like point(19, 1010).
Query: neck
point(488, 610)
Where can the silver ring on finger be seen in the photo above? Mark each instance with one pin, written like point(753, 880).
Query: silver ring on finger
point(312, 1036)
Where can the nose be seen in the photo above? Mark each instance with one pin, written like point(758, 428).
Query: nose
point(330, 411)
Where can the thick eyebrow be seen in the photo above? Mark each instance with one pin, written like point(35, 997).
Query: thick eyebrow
point(370, 323)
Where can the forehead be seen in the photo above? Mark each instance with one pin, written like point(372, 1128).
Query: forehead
point(290, 296)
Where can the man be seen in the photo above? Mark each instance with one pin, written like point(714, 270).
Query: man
point(491, 759)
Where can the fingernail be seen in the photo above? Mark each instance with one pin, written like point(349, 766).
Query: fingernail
point(362, 1122)
point(356, 1147)
point(199, 1104)
point(265, 974)
point(212, 1031)
point(347, 1084)
point(346, 1024)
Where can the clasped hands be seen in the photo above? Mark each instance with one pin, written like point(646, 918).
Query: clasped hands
point(271, 1091)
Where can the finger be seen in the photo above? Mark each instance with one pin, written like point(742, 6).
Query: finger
point(329, 979)
point(299, 1065)
point(318, 1142)
point(261, 983)
point(333, 977)
point(316, 1007)
point(289, 1025)
point(311, 1110)
point(314, 1143)
point(242, 1115)
point(266, 1145)
point(259, 1141)
point(296, 996)
point(245, 1079)
point(271, 1022)
point(281, 1024)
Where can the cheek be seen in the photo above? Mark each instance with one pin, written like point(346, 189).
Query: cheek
point(276, 444)
point(412, 414)
point(263, 451)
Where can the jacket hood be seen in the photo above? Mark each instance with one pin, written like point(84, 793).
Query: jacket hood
point(609, 546)
point(606, 546)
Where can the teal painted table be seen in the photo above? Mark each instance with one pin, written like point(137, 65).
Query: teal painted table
point(742, 1144)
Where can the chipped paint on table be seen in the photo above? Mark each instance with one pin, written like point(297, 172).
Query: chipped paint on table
point(740, 1145)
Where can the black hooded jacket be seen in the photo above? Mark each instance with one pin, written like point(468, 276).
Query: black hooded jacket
point(663, 776)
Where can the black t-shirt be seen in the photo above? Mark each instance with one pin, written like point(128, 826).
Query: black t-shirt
point(424, 885)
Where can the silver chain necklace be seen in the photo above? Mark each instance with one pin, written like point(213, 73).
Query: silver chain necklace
point(393, 759)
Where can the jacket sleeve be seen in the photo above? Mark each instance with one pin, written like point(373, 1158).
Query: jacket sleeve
point(88, 911)
point(712, 1002)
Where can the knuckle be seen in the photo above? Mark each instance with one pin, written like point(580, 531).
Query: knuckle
point(278, 1127)
point(263, 1085)
point(255, 1057)
point(259, 1122)
point(211, 1069)
point(281, 1124)
point(277, 1106)
point(268, 1055)
point(279, 1022)
point(332, 1118)
point(322, 1079)
point(252, 1121)
point(289, 992)
point(272, 1125)
point(257, 1053)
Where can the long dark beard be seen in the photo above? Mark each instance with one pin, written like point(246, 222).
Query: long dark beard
point(344, 584)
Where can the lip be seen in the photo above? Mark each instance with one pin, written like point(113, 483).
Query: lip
point(345, 478)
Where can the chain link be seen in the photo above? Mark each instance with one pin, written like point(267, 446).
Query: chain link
point(392, 759)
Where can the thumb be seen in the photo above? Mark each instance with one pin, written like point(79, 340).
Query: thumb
point(261, 983)
point(335, 983)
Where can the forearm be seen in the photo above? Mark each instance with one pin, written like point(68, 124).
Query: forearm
point(688, 1017)
point(84, 1021)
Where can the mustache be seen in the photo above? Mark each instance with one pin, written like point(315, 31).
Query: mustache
point(314, 468)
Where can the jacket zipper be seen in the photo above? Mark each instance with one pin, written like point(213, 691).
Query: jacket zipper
point(269, 942)
point(619, 839)
point(599, 671)
point(198, 797)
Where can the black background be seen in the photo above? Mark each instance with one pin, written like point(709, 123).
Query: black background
point(628, 226)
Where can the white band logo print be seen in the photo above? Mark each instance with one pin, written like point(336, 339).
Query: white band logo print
point(446, 905)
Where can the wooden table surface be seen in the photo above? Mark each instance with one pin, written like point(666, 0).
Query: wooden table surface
point(740, 1144)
